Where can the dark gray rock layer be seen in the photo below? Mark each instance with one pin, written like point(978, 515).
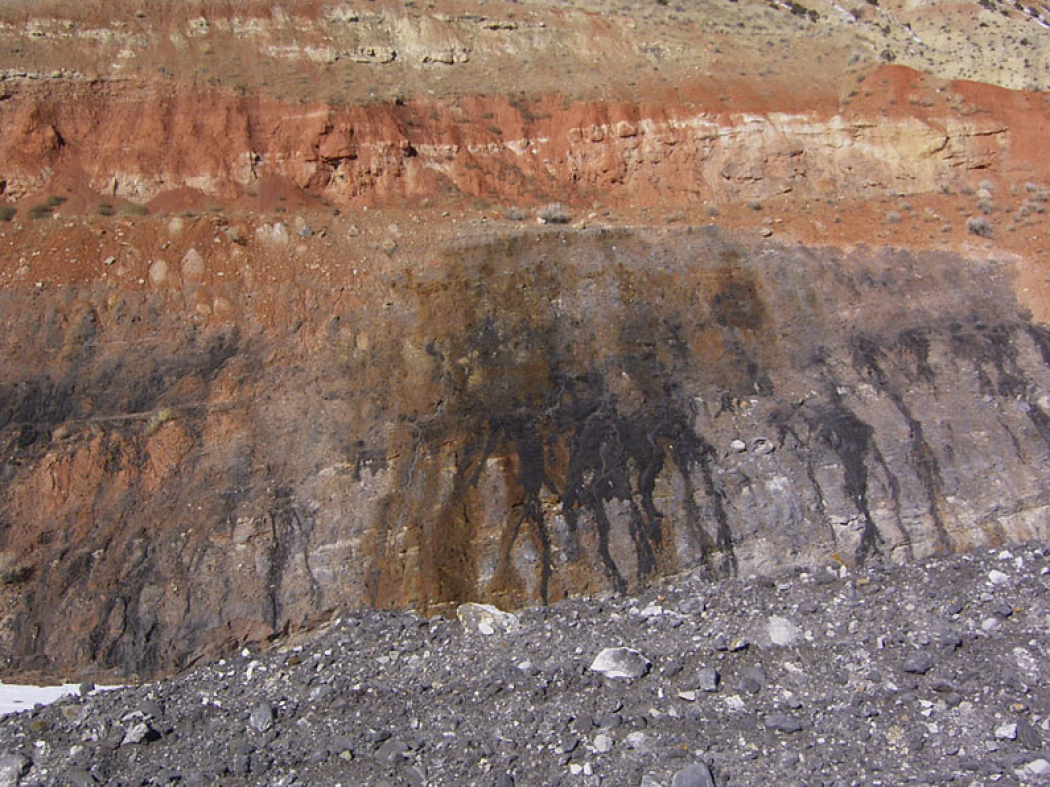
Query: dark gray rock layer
point(515, 420)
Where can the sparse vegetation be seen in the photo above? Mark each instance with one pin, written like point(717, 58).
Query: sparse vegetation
point(7, 212)
point(1028, 207)
point(106, 209)
point(553, 213)
point(41, 211)
point(980, 226)
point(10, 572)
point(134, 209)
point(157, 419)
point(800, 10)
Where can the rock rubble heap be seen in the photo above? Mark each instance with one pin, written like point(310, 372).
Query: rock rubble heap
point(930, 673)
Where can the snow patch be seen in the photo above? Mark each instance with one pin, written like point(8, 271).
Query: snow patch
point(17, 697)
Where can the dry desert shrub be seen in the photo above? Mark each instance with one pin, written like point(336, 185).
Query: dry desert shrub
point(980, 226)
point(553, 213)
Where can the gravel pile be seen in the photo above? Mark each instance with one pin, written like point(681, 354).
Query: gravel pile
point(933, 673)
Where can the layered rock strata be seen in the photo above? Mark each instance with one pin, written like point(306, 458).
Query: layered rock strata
point(512, 419)
point(144, 143)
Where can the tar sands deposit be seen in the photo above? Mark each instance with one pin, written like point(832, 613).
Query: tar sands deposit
point(479, 393)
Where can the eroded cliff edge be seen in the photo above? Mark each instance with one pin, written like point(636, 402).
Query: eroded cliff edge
point(513, 418)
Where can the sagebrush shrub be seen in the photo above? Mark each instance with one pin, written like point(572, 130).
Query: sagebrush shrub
point(554, 213)
point(980, 226)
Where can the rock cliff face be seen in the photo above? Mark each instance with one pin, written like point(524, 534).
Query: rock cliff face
point(276, 345)
point(141, 145)
point(514, 419)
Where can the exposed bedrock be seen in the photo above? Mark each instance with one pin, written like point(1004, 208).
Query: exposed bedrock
point(142, 144)
point(514, 421)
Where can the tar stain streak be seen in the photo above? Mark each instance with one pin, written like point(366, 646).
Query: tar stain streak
point(585, 436)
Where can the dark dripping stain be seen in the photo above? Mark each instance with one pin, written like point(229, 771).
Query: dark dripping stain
point(993, 351)
point(581, 386)
point(134, 381)
point(518, 420)
point(564, 436)
point(834, 426)
point(915, 343)
point(869, 360)
point(583, 432)
point(736, 303)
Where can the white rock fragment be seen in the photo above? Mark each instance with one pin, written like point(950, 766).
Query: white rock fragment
point(997, 577)
point(1006, 732)
point(1028, 663)
point(192, 266)
point(621, 663)
point(1039, 767)
point(12, 767)
point(762, 446)
point(707, 679)
point(137, 733)
point(253, 665)
point(158, 271)
point(734, 702)
point(485, 619)
point(274, 234)
point(783, 632)
point(637, 741)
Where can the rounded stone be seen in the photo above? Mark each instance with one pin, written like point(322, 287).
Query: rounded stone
point(782, 631)
point(192, 266)
point(158, 271)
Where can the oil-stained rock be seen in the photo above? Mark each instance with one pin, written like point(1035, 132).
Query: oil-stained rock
point(521, 419)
